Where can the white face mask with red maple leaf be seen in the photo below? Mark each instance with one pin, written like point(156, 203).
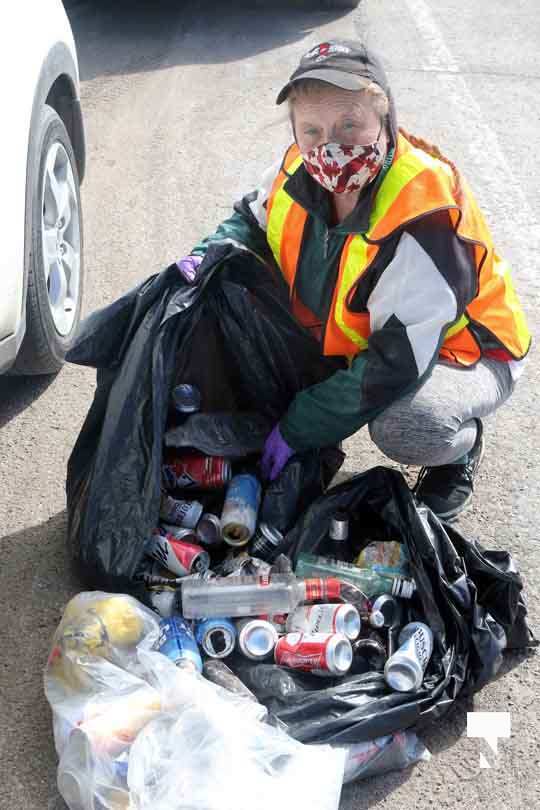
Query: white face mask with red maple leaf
point(341, 168)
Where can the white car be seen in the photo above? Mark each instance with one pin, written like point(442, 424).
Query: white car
point(43, 157)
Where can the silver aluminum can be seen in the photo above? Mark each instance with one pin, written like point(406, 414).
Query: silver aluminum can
point(179, 512)
point(266, 542)
point(404, 670)
point(209, 530)
point(343, 619)
point(386, 611)
point(257, 638)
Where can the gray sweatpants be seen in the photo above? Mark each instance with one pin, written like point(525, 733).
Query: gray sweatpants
point(435, 424)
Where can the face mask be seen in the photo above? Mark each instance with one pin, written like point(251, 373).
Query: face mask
point(340, 168)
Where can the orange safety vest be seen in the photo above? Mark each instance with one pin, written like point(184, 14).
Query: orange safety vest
point(414, 186)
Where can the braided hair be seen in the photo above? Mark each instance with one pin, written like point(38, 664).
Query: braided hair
point(435, 152)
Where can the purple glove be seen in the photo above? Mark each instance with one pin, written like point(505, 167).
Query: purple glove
point(276, 454)
point(188, 267)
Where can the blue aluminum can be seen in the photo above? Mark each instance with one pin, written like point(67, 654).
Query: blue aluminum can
point(177, 642)
point(217, 637)
point(239, 516)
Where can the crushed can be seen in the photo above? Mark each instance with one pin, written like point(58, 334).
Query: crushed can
point(178, 556)
point(180, 513)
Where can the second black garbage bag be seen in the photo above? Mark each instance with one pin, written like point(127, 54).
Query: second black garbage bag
point(232, 335)
point(470, 597)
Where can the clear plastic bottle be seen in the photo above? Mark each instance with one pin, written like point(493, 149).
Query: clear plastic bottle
point(372, 583)
point(251, 596)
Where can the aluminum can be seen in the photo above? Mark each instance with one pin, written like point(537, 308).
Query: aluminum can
point(237, 565)
point(386, 611)
point(209, 530)
point(178, 556)
point(179, 512)
point(339, 526)
point(326, 654)
point(266, 542)
point(187, 399)
point(239, 516)
point(196, 471)
point(177, 642)
point(217, 637)
point(257, 638)
point(404, 670)
point(163, 600)
point(343, 619)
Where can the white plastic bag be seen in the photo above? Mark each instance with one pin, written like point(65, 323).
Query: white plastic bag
point(134, 732)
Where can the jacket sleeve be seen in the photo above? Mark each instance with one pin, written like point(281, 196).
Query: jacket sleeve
point(247, 224)
point(423, 290)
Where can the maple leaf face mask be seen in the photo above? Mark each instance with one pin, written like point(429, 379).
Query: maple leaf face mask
point(341, 168)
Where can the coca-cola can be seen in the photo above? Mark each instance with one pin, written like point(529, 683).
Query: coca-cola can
point(178, 556)
point(180, 513)
point(327, 654)
point(196, 471)
point(256, 638)
point(343, 619)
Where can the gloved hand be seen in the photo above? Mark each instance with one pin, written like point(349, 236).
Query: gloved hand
point(276, 454)
point(188, 267)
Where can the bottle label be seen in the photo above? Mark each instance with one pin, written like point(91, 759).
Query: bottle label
point(322, 589)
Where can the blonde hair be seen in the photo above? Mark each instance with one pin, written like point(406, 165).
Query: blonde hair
point(309, 87)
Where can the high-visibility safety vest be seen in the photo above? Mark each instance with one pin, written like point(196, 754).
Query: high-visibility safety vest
point(414, 186)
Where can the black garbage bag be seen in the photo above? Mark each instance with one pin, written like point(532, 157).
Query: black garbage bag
point(471, 598)
point(233, 336)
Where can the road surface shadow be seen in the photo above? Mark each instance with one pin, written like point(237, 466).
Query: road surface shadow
point(131, 36)
point(36, 582)
point(18, 393)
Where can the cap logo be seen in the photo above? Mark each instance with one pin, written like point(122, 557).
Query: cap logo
point(326, 49)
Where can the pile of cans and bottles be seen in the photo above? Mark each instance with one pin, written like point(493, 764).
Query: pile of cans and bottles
point(221, 583)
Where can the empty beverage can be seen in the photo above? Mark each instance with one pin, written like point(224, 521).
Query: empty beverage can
point(257, 638)
point(209, 530)
point(404, 670)
point(187, 399)
point(386, 611)
point(196, 471)
point(343, 619)
point(266, 543)
point(177, 642)
point(324, 654)
point(180, 513)
point(239, 516)
point(217, 637)
point(178, 556)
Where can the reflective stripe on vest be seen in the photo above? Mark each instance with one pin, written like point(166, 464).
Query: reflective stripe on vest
point(415, 185)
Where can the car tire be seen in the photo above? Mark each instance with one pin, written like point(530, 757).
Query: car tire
point(54, 268)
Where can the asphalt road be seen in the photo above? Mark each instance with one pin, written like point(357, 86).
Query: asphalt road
point(178, 104)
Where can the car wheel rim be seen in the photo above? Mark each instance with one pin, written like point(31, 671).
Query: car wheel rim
point(61, 238)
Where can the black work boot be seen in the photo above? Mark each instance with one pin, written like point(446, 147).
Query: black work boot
point(448, 489)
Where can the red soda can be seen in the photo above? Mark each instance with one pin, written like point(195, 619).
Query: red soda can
point(196, 471)
point(179, 556)
point(328, 654)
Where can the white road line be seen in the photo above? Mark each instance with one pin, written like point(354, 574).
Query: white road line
point(517, 224)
